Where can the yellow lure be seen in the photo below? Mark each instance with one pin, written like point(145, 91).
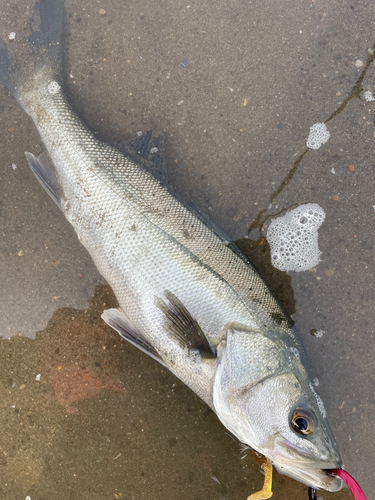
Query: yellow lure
point(266, 491)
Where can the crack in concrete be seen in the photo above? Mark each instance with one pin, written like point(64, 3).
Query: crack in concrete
point(356, 91)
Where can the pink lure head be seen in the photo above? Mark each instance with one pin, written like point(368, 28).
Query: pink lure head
point(351, 482)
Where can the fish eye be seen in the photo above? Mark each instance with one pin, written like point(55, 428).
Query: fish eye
point(303, 421)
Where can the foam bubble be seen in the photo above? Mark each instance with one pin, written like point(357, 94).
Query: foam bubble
point(319, 333)
point(53, 87)
point(318, 135)
point(293, 238)
point(295, 352)
point(368, 96)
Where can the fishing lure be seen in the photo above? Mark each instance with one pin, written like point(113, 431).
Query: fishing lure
point(351, 482)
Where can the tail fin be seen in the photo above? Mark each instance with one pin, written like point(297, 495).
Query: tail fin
point(45, 46)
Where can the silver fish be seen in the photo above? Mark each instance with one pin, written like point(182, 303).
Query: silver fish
point(189, 298)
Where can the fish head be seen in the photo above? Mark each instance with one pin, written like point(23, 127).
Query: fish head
point(263, 395)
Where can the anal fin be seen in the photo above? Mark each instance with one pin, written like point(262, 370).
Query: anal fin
point(120, 322)
point(45, 171)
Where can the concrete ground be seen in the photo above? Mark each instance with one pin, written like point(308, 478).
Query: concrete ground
point(235, 86)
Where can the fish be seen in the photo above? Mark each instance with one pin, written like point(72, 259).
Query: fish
point(188, 297)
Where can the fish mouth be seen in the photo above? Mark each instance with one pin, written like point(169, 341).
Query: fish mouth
point(311, 471)
point(317, 478)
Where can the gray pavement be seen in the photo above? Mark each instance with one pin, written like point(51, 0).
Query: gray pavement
point(235, 86)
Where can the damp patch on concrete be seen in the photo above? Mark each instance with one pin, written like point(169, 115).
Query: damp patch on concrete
point(85, 415)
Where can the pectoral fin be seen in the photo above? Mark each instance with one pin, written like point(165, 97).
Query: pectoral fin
point(182, 327)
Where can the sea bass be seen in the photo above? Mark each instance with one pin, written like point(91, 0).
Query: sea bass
point(188, 297)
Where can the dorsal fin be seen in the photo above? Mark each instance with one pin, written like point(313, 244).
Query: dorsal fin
point(148, 150)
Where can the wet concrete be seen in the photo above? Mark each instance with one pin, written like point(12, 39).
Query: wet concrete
point(259, 74)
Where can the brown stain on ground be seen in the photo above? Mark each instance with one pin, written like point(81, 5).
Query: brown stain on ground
point(74, 371)
point(75, 384)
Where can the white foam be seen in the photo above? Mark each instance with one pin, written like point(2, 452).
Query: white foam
point(293, 238)
point(295, 352)
point(53, 87)
point(368, 96)
point(318, 135)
